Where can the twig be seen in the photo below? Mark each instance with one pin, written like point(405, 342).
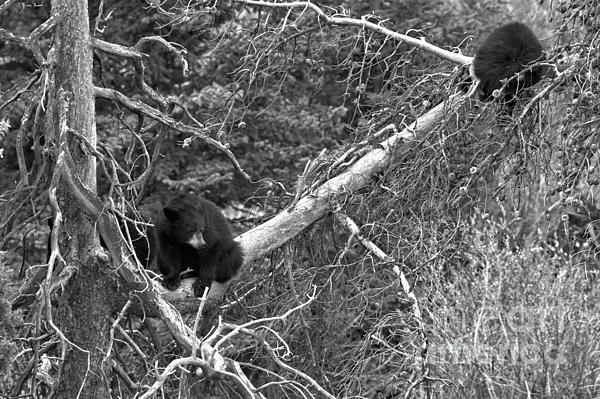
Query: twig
point(135, 346)
point(114, 326)
point(353, 228)
point(299, 373)
point(266, 319)
point(6, 5)
point(145, 177)
point(129, 383)
point(33, 79)
point(197, 320)
point(174, 366)
point(309, 169)
point(288, 268)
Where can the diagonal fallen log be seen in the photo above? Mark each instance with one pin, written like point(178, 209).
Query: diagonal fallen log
point(287, 224)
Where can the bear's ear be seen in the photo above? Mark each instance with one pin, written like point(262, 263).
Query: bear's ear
point(171, 213)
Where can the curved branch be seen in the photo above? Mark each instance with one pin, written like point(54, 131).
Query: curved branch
point(116, 49)
point(31, 41)
point(172, 368)
point(153, 113)
point(363, 23)
point(137, 57)
point(179, 54)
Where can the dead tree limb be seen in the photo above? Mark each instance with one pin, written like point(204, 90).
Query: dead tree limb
point(286, 225)
point(363, 23)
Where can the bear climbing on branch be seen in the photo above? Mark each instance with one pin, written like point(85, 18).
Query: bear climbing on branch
point(191, 232)
point(509, 50)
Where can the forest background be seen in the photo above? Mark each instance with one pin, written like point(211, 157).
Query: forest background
point(402, 238)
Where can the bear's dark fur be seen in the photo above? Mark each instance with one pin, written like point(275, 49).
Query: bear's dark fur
point(508, 50)
point(192, 232)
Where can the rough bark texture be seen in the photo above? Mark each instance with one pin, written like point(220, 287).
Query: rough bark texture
point(84, 310)
point(87, 302)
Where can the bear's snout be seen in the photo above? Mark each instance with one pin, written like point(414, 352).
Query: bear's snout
point(197, 241)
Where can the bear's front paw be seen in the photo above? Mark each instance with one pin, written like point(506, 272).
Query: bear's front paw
point(199, 287)
point(171, 284)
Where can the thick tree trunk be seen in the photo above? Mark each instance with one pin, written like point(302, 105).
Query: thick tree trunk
point(86, 304)
point(83, 311)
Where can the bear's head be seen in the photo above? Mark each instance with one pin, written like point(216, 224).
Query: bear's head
point(185, 223)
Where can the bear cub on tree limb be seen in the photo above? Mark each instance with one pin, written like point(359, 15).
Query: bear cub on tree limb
point(510, 49)
point(192, 232)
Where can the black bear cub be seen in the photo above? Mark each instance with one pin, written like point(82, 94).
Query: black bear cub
point(192, 232)
point(508, 50)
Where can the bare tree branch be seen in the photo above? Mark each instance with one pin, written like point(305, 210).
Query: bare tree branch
point(142, 108)
point(31, 41)
point(364, 24)
point(286, 225)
